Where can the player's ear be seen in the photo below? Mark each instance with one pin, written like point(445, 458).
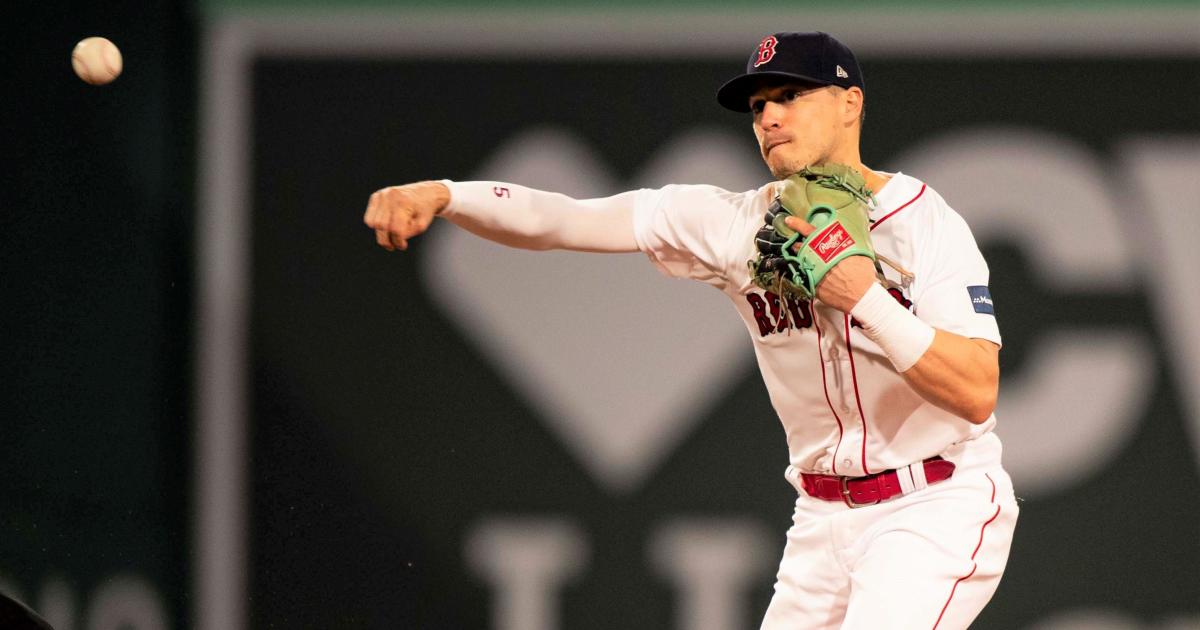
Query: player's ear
point(853, 104)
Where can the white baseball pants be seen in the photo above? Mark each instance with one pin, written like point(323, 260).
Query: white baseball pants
point(928, 559)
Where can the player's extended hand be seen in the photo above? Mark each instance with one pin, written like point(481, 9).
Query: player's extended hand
point(847, 281)
point(398, 213)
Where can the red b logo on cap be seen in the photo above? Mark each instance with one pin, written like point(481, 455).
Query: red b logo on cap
point(766, 50)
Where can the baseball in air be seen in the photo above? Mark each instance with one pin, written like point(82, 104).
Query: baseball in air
point(96, 60)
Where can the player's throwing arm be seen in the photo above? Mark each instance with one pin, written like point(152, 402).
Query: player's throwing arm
point(505, 213)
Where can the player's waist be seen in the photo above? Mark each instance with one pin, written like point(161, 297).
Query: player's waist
point(978, 454)
point(874, 488)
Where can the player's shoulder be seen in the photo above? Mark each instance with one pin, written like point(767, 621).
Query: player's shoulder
point(907, 199)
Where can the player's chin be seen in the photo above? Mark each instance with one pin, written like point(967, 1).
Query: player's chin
point(782, 164)
point(782, 169)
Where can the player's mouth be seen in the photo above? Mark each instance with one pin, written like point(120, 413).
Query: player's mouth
point(772, 143)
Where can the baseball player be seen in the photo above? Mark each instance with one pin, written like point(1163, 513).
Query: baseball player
point(885, 380)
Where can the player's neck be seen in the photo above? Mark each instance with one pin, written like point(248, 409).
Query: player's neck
point(874, 181)
point(846, 152)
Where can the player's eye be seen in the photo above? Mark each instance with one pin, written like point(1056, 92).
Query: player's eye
point(791, 95)
point(757, 105)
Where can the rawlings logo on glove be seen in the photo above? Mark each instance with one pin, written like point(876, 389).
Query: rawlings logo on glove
point(835, 200)
point(833, 240)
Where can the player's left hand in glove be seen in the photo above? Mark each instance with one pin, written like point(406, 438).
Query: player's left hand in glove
point(834, 200)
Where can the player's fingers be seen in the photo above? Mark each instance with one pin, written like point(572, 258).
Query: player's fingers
point(399, 242)
point(384, 239)
point(397, 228)
point(377, 216)
point(800, 225)
point(369, 217)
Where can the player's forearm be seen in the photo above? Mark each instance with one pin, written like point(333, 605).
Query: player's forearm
point(958, 374)
point(522, 217)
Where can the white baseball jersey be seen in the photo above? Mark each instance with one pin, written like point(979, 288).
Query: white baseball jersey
point(844, 408)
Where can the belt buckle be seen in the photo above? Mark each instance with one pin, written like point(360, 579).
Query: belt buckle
point(849, 501)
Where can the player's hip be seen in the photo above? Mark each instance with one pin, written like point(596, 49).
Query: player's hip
point(974, 462)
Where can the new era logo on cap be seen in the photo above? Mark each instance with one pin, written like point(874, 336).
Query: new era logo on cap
point(815, 58)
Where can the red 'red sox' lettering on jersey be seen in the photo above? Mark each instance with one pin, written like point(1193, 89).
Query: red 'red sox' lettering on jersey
point(771, 318)
point(799, 313)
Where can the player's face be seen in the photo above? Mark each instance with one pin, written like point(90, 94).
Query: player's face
point(798, 125)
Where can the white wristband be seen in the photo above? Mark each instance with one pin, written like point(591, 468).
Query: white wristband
point(901, 336)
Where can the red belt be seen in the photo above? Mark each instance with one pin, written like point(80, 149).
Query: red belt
point(872, 489)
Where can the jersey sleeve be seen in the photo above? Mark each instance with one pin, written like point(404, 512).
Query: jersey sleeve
point(686, 231)
point(951, 287)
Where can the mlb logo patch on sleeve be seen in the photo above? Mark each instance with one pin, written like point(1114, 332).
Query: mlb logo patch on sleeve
point(981, 299)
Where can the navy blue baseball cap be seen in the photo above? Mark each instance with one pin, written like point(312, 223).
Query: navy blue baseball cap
point(806, 57)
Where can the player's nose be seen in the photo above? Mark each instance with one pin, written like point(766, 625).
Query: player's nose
point(771, 116)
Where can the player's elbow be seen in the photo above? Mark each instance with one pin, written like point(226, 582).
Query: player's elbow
point(983, 403)
point(978, 414)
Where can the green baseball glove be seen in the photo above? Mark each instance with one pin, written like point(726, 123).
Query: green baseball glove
point(834, 199)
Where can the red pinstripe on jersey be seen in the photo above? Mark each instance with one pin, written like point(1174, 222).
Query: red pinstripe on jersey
point(974, 566)
point(862, 417)
point(825, 386)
